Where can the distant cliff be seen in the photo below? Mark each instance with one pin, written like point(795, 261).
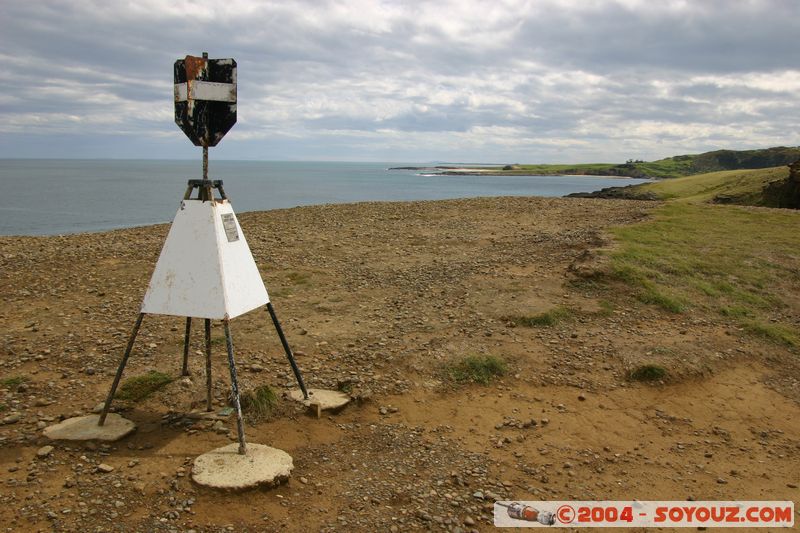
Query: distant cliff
point(785, 193)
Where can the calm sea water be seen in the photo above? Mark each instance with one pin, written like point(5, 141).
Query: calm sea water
point(58, 196)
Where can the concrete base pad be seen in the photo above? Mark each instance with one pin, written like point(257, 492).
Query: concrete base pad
point(224, 468)
point(86, 428)
point(325, 399)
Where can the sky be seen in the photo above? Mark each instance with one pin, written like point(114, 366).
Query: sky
point(500, 81)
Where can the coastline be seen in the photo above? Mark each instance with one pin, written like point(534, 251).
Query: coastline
point(494, 171)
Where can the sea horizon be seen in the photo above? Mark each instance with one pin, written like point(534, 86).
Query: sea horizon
point(56, 196)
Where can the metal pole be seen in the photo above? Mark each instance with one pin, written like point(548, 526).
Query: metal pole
point(122, 364)
point(185, 369)
point(205, 163)
point(208, 365)
point(288, 350)
point(205, 146)
point(235, 388)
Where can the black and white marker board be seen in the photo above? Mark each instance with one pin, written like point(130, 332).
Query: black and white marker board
point(205, 98)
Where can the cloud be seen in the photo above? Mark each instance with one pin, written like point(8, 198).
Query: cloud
point(478, 80)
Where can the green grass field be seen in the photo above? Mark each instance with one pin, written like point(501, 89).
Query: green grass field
point(744, 186)
point(737, 263)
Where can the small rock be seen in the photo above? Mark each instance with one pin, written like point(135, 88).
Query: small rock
point(12, 419)
point(791, 485)
point(478, 494)
point(722, 481)
point(469, 521)
point(104, 468)
point(44, 451)
point(304, 481)
point(582, 397)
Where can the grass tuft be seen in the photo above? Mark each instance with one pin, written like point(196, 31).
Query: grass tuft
point(13, 382)
point(773, 332)
point(546, 319)
point(477, 369)
point(259, 402)
point(673, 304)
point(606, 308)
point(298, 278)
point(648, 372)
point(138, 388)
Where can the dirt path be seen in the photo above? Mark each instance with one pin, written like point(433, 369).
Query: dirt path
point(382, 297)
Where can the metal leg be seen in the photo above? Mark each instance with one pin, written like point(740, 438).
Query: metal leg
point(288, 350)
point(209, 408)
point(235, 388)
point(122, 364)
point(185, 369)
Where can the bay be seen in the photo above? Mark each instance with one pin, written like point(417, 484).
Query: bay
point(60, 196)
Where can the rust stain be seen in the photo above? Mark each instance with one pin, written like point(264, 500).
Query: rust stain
point(195, 67)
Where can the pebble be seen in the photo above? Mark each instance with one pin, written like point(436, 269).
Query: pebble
point(44, 451)
point(102, 467)
point(12, 419)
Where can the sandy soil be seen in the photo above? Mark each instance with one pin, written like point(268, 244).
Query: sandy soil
point(382, 297)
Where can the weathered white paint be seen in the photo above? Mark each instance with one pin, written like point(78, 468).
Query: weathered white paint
point(181, 92)
point(201, 273)
point(205, 90)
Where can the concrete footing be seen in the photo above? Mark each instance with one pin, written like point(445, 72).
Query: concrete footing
point(86, 428)
point(321, 399)
point(225, 468)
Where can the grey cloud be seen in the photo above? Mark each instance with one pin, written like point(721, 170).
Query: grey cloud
point(407, 80)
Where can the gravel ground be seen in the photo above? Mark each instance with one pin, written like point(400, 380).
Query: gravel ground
point(379, 298)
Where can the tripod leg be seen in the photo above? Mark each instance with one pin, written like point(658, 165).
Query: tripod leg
point(122, 364)
point(288, 350)
point(185, 369)
point(235, 388)
point(208, 365)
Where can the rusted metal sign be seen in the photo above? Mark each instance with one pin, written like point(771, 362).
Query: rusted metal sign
point(205, 98)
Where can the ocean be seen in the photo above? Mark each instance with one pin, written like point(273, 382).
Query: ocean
point(60, 196)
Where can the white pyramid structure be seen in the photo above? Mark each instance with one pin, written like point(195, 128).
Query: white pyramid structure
point(205, 269)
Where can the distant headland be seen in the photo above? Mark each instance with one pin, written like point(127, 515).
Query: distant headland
point(670, 167)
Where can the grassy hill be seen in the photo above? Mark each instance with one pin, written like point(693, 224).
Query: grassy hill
point(672, 167)
point(743, 187)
